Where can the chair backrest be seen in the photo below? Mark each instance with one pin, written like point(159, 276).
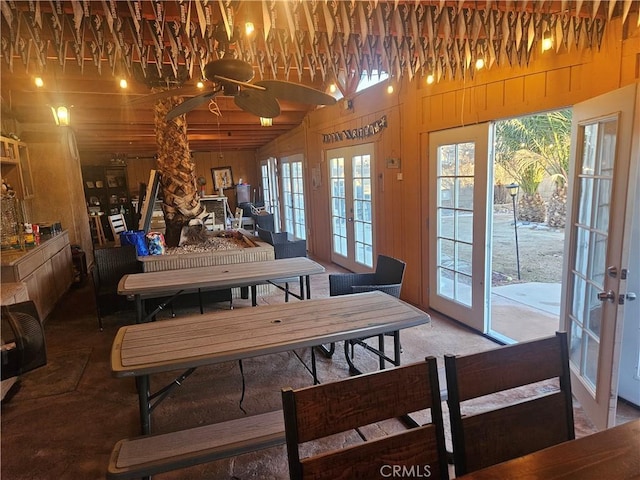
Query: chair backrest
point(114, 262)
point(265, 221)
point(118, 224)
point(316, 412)
point(237, 219)
point(544, 418)
point(264, 235)
point(389, 270)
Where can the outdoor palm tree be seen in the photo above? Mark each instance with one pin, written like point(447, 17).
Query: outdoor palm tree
point(530, 147)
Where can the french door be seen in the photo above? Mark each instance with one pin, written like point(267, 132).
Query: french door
point(458, 160)
point(597, 252)
point(293, 196)
point(270, 194)
point(352, 202)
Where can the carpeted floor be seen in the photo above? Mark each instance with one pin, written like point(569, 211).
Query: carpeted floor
point(66, 417)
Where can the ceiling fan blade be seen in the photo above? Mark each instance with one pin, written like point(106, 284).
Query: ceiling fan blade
point(259, 102)
point(190, 104)
point(220, 78)
point(294, 92)
point(175, 92)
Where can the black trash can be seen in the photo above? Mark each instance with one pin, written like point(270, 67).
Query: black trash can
point(79, 259)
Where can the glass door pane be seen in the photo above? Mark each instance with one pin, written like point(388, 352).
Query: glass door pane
point(293, 196)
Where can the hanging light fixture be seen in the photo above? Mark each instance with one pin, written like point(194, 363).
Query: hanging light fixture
point(61, 115)
point(266, 121)
point(547, 40)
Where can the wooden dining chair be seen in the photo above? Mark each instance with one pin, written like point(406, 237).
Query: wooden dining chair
point(118, 225)
point(538, 415)
point(314, 413)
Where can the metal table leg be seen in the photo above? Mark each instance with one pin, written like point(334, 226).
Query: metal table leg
point(254, 295)
point(142, 382)
point(139, 309)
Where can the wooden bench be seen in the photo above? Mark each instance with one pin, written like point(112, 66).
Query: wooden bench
point(153, 454)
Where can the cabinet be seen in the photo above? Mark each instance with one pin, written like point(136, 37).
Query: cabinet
point(16, 166)
point(46, 270)
point(106, 190)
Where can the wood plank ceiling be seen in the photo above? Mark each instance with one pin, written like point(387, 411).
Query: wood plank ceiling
point(83, 48)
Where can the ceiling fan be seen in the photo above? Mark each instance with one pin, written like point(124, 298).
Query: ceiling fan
point(231, 77)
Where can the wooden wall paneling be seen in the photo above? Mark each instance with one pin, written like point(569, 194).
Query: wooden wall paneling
point(535, 89)
point(514, 92)
point(480, 101)
point(558, 83)
point(58, 186)
point(409, 246)
point(495, 99)
point(422, 298)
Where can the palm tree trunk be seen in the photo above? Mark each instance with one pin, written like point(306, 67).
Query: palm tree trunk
point(177, 169)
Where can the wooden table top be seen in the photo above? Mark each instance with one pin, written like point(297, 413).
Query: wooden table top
point(222, 276)
point(250, 332)
point(611, 453)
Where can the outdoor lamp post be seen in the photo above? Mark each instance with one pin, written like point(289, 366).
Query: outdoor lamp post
point(513, 191)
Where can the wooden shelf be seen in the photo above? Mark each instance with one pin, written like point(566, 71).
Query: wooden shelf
point(15, 167)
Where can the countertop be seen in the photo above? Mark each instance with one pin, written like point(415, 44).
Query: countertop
point(8, 258)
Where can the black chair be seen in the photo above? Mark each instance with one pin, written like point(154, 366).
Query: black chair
point(529, 420)
point(284, 246)
point(314, 413)
point(111, 263)
point(387, 278)
point(264, 221)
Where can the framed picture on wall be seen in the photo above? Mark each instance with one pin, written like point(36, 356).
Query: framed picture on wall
point(222, 177)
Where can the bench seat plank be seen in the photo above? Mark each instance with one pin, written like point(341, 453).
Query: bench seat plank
point(153, 454)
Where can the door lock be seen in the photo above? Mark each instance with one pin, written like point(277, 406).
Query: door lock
point(609, 296)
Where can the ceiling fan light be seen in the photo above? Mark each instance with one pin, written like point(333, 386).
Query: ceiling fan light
point(333, 88)
point(266, 121)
